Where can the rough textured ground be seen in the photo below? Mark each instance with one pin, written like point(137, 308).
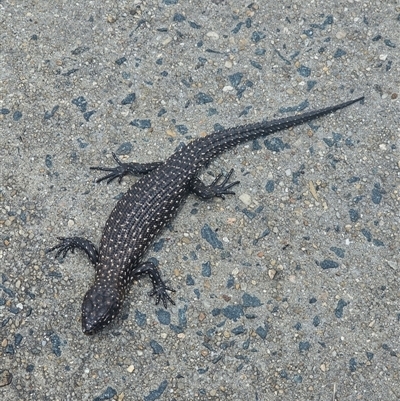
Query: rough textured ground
point(288, 290)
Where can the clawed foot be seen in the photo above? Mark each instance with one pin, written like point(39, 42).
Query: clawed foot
point(159, 287)
point(161, 294)
point(115, 172)
point(222, 189)
point(124, 169)
point(71, 243)
point(66, 244)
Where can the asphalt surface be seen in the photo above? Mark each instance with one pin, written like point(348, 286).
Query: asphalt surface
point(288, 290)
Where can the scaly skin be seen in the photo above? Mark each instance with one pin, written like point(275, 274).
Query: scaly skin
point(149, 205)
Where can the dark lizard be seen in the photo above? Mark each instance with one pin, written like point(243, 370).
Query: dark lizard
point(149, 205)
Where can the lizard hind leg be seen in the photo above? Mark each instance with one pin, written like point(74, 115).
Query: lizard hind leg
point(215, 189)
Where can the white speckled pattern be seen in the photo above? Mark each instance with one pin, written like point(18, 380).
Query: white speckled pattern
point(149, 205)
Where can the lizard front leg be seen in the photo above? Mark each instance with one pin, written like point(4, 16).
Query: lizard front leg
point(159, 287)
point(123, 169)
point(72, 243)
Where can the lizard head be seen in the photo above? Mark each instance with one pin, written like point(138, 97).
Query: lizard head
point(100, 306)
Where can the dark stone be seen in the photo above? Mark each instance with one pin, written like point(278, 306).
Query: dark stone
point(233, 312)
point(164, 317)
point(120, 61)
point(304, 346)
point(300, 107)
point(245, 111)
point(339, 308)
point(353, 365)
point(155, 394)
point(157, 348)
point(189, 280)
point(142, 124)
point(389, 43)
point(129, 99)
point(260, 52)
point(79, 50)
point(231, 282)
point(17, 115)
point(367, 234)
point(55, 344)
point(329, 264)
point(211, 237)
point(339, 53)
point(182, 129)
point(250, 301)
point(297, 326)
point(48, 161)
point(276, 144)
point(203, 98)
point(140, 318)
point(17, 339)
point(158, 246)
point(206, 269)
point(376, 194)
point(255, 64)
point(353, 179)
point(256, 36)
point(270, 186)
point(354, 215)
point(49, 114)
point(30, 368)
point(88, 114)
point(195, 26)
point(378, 242)
point(179, 17)
point(311, 84)
point(304, 71)
point(262, 331)
point(81, 103)
point(237, 27)
point(235, 79)
point(216, 312)
point(182, 316)
point(249, 213)
point(124, 149)
point(339, 252)
point(108, 393)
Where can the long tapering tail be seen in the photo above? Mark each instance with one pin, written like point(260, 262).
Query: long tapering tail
point(219, 141)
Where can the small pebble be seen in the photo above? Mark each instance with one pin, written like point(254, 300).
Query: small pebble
point(5, 377)
point(340, 35)
point(212, 35)
point(245, 198)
